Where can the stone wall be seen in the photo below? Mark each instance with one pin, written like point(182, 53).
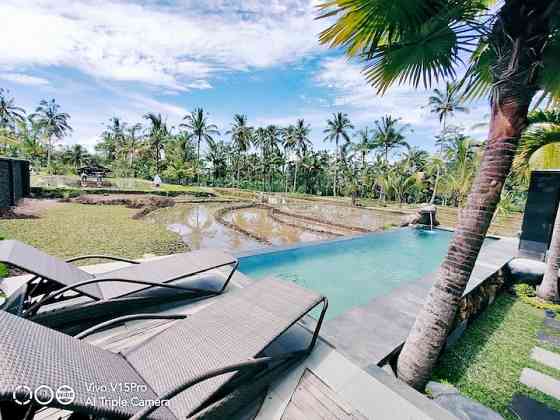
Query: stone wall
point(477, 300)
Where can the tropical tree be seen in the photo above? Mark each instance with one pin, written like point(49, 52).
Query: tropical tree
point(53, 124)
point(301, 144)
point(364, 145)
point(445, 103)
point(134, 137)
point(514, 50)
point(337, 127)
point(157, 134)
point(241, 137)
point(201, 129)
point(77, 154)
point(389, 135)
point(10, 114)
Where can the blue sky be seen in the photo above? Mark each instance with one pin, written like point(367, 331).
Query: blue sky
point(104, 58)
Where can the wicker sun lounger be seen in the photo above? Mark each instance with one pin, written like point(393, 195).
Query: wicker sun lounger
point(205, 366)
point(113, 293)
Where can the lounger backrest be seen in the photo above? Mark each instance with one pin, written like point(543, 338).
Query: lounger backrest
point(40, 263)
point(32, 355)
point(163, 270)
point(235, 328)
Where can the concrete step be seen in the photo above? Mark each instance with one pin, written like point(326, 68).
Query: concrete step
point(541, 382)
point(546, 357)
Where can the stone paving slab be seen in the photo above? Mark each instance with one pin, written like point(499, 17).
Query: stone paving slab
point(541, 382)
point(553, 340)
point(546, 357)
point(526, 408)
point(552, 323)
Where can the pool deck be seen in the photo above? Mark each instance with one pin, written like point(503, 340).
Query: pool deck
point(370, 333)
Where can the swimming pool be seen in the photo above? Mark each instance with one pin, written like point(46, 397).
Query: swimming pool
point(351, 272)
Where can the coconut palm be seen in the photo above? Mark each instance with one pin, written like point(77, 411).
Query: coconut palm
point(389, 135)
point(77, 155)
point(513, 53)
point(10, 114)
point(364, 145)
point(53, 124)
point(301, 144)
point(134, 137)
point(201, 129)
point(337, 127)
point(445, 103)
point(157, 134)
point(241, 137)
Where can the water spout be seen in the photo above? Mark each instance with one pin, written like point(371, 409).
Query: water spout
point(431, 221)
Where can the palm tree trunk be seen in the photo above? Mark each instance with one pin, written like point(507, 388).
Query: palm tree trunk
point(548, 290)
point(335, 168)
point(198, 161)
point(49, 151)
point(433, 199)
point(435, 320)
point(295, 176)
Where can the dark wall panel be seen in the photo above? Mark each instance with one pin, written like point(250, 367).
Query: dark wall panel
point(542, 203)
point(15, 181)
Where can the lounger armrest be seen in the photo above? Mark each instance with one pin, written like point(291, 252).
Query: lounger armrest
point(126, 318)
point(50, 297)
point(213, 373)
point(103, 257)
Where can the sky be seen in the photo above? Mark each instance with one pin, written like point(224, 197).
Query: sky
point(105, 58)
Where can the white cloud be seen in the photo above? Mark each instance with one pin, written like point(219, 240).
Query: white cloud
point(24, 79)
point(350, 90)
point(177, 47)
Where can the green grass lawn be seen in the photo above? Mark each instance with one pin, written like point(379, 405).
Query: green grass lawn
point(66, 230)
point(486, 363)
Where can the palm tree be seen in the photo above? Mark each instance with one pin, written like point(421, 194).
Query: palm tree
point(272, 140)
point(446, 103)
point(29, 135)
point(300, 145)
point(158, 133)
point(543, 131)
point(389, 135)
point(241, 137)
point(53, 123)
point(198, 123)
point(288, 142)
point(133, 139)
point(513, 51)
point(10, 114)
point(435, 167)
point(364, 145)
point(259, 141)
point(337, 127)
point(77, 155)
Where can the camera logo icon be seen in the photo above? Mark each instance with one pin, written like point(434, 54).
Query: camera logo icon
point(22, 395)
point(65, 395)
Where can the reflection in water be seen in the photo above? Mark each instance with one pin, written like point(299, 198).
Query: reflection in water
point(199, 229)
point(259, 222)
point(349, 216)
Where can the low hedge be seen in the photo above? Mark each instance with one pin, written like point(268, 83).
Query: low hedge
point(528, 294)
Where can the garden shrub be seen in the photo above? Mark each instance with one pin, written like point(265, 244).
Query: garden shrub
point(528, 295)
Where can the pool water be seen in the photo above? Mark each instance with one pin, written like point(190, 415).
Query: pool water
point(351, 272)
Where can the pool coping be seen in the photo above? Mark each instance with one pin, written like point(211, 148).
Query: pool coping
point(280, 248)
